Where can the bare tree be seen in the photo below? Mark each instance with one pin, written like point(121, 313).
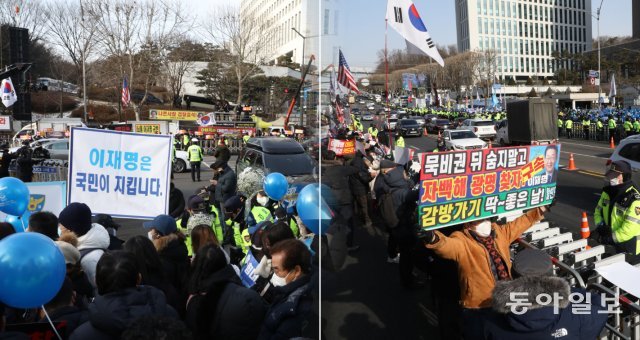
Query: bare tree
point(244, 36)
point(72, 39)
point(25, 13)
point(487, 69)
point(139, 35)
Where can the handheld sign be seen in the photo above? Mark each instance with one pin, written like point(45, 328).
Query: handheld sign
point(118, 173)
point(464, 186)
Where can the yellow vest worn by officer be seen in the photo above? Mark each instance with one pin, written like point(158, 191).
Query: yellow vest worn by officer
point(568, 124)
point(599, 125)
point(185, 140)
point(627, 126)
point(373, 132)
point(612, 124)
point(215, 226)
point(400, 142)
point(237, 236)
point(195, 153)
point(246, 138)
point(586, 123)
point(560, 123)
point(636, 126)
point(625, 219)
point(257, 215)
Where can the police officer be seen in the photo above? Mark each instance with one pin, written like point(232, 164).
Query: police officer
point(628, 126)
point(586, 124)
point(568, 124)
point(617, 214)
point(373, 131)
point(400, 141)
point(636, 126)
point(185, 140)
point(195, 158)
point(560, 126)
point(246, 137)
point(199, 212)
point(235, 225)
point(600, 129)
point(612, 127)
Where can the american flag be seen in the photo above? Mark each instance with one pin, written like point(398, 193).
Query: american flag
point(345, 78)
point(126, 96)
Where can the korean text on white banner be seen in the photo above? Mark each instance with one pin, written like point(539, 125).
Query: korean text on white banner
point(119, 173)
point(45, 196)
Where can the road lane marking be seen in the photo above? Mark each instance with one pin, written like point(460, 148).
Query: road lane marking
point(588, 145)
point(583, 155)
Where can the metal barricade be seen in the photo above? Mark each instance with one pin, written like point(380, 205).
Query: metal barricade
point(44, 170)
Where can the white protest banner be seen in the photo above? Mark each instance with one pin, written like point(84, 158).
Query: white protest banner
point(119, 173)
point(45, 196)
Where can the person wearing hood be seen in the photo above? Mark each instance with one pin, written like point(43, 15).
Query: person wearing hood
point(481, 251)
point(533, 276)
point(121, 300)
point(170, 245)
point(93, 239)
point(617, 215)
point(291, 313)
point(219, 307)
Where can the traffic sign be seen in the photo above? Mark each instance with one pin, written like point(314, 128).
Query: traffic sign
point(364, 82)
point(594, 74)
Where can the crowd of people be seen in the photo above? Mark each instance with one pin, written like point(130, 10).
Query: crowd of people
point(222, 265)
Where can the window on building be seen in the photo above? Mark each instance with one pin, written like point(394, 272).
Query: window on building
point(335, 22)
point(325, 29)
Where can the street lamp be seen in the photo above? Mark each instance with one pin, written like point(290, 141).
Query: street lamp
point(599, 72)
point(301, 71)
point(84, 61)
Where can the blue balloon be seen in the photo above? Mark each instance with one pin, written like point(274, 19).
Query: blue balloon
point(275, 185)
point(14, 196)
point(32, 268)
point(16, 221)
point(312, 208)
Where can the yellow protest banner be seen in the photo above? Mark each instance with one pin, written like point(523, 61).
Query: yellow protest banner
point(153, 129)
point(175, 115)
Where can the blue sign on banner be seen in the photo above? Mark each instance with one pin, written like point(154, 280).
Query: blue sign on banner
point(44, 169)
point(247, 274)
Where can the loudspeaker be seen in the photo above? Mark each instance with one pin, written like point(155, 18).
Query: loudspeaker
point(18, 45)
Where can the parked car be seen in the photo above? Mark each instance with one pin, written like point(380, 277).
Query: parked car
point(462, 140)
point(367, 116)
point(392, 124)
point(182, 162)
point(628, 150)
point(420, 120)
point(438, 125)
point(428, 118)
point(484, 129)
point(408, 127)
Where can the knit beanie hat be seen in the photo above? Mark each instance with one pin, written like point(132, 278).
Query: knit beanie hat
point(76, 217)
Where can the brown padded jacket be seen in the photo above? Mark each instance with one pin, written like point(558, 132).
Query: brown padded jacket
point(474, 269)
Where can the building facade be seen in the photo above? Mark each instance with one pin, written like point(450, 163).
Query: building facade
point(279, 17)
point(525, 33)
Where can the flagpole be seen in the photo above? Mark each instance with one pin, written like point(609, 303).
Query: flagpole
point(386, 82)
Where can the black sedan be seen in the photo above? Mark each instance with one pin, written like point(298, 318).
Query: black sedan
point(438, 125)
point(408, 127)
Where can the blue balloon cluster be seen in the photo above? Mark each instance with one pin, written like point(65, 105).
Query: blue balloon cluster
point(33, 269)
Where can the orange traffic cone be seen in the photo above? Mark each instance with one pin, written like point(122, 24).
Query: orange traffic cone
point(572, 163)
point(426, 132)
point(584, 229)
point(612, 144)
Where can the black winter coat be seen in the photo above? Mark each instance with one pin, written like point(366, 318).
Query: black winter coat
point(224, 309)
point(222, 153)
point(359, 182)
point(227, 185)
point(291, 314)
point(111, 314)
point(175, 260)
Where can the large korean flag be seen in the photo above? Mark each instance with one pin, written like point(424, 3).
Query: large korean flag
point(403, 16)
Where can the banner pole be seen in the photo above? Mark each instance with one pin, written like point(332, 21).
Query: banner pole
point(386, 83)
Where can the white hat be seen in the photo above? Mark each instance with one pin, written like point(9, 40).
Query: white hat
point(194, 139)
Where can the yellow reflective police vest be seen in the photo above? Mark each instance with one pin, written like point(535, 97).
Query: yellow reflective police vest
point(246, 138)
point(261, 214)
point(195, 153)
point(373, 132)
point(568, 124)
point(400, 142)
point(237, 235)
point(625, 217)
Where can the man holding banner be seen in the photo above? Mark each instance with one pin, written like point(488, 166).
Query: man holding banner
point(481, 251)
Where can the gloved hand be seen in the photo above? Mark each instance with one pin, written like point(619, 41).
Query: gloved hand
point(427, 236)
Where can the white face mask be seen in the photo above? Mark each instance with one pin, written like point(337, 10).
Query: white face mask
point(263, 200)
point(483, 229)
point(150, 235)
point(614, 181)
point(278, 281)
